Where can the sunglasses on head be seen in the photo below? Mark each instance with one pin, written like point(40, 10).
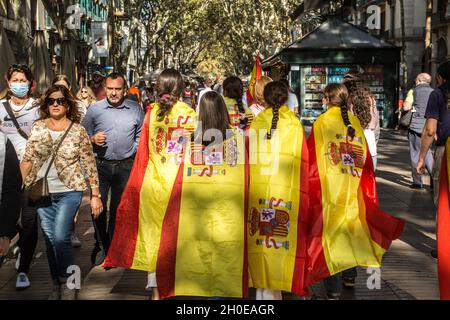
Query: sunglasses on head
point(19, 67)
point(59, 101)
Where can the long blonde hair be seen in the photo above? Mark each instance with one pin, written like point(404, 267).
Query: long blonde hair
point(91, 96)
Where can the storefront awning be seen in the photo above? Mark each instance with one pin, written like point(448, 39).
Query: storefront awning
point(336, 41)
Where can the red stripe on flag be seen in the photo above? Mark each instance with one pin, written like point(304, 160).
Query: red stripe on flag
point(316, 265)
point(123, 245)
point(167, 254)
point(443, 231)
point(383, 227)
point(298, 281)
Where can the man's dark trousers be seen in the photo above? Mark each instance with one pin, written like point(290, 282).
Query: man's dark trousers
point(113, 175)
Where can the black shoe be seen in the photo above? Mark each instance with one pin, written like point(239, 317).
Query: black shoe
point(348, 282)
point(434, 254)
point(416, 186)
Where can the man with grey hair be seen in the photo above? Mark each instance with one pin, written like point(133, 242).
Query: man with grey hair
point(421, 93)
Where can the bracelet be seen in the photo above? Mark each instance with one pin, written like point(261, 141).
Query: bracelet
point(96, 196)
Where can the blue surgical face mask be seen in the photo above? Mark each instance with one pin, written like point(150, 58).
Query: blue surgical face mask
point(19, 89)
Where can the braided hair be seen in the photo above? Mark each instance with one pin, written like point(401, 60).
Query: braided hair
point(337, 95)
point(275, 95)
point(169, 87)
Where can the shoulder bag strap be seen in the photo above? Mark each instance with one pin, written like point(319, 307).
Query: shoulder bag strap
point(14, 120)
point(56, 150)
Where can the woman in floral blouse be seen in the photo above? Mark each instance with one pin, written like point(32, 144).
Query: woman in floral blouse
point(58, 110)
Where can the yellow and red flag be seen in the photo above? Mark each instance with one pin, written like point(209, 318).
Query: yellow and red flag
point(345, 226)
point(278, 203)
point(256, 74)
point(443, 226)
point(170, 220)
point(235, 115)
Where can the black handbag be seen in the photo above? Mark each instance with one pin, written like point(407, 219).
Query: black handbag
point(406, 118)
point(38, 193)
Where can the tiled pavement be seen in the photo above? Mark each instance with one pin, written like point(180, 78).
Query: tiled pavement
point(408, 271)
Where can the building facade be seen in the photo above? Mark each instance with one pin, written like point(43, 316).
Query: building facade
point(411, 39)
point(440, 34)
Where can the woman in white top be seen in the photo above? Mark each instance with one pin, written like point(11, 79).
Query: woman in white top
point(24, 108)
point(259, 102)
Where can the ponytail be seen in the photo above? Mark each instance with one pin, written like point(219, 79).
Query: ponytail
point(166, 102)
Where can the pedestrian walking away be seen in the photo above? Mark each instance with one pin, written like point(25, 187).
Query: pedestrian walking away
point(278, 198)
point(421, 94)
point(341, 179)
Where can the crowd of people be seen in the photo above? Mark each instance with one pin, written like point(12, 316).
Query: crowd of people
point(210, 197)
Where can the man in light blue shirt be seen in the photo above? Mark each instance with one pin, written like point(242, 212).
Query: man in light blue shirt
point(114, 126)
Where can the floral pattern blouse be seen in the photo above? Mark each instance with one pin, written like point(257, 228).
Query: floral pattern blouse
point(74, 154)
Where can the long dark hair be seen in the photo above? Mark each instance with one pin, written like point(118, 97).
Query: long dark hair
point(234, 88)
point(213, 114)
point(73, 112)
point(275, 95)
point(169, 87)
point(360, 97)
point(337, 95)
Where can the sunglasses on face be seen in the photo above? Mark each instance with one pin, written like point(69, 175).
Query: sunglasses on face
point(84, 91)
point(59, 101)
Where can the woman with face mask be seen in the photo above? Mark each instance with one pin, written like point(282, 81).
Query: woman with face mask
point(18, 111)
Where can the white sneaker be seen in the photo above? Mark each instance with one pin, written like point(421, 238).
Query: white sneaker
point(22, 281)
point(18, 261)
point(76, 243)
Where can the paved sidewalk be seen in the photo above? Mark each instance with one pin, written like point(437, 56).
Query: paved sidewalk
point(408, 271)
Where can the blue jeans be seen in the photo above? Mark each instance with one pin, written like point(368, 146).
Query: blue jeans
point(56, 222)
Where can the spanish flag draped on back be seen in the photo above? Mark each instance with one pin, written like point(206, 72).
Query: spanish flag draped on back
point(345, 226)
point(278, 201)
point(170, 219)
point(235, 115)
point(443, 226)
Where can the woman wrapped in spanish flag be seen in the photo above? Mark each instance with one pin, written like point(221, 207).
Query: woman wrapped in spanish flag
point(345, 226)
point(278, 198)
point(182, 214)
point(233, 91)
